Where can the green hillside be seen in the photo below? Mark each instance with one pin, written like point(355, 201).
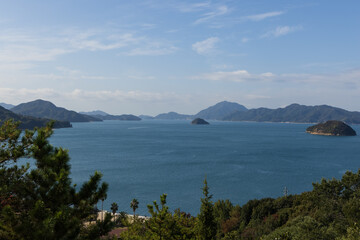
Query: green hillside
point(29, 122)
point(44, 109)
point(296, 113)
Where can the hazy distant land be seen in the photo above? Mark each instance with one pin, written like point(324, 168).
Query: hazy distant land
point(222, 111)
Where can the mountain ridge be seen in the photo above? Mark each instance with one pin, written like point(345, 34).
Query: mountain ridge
point(28, 122)
point(214, 112)
point(45, 109)
point(219, 110)
point(296, 113)
point(122, 117)
point(173, 116)
point(6, 105)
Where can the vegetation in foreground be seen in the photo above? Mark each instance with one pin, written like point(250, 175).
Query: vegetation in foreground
point(42, 203)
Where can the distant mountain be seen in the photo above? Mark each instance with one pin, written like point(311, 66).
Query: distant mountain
point(296, 113)
point(6, 106)
point(127, 117)
point(220, 110)
point(216, 112)
point(94, 113)
point(173, 116)
point(147, 117)
point(44, 109)
point(105, 116)
point(29, 122)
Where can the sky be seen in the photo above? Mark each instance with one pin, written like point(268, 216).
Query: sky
point(155, 56)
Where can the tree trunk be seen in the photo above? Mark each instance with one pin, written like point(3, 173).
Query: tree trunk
point(102, 210)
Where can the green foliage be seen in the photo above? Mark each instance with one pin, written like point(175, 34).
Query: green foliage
point(206, 219)
point(301, 228)
point(186, 225)
point(329, 211)
point(222, 211)
point(122, 220)
point(114, 207)
point(41, 203)
point(161, 225)
point(136, 231)
point(134, 204)
point(352, 233)
point(97, 230)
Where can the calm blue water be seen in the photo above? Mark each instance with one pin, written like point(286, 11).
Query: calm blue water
point(241, 160)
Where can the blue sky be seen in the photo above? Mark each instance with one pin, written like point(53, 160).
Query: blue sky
point(149, 57)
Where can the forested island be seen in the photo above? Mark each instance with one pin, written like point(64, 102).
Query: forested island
point(42, 203)
point(331, 128)
point(199, 121)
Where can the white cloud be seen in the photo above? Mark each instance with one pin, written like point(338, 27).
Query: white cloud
point(95, 40)
point(268, 74)
point(221, 10)
point(259, 17)
point(148, 26)
point(234, 76)
point(15, 66)
point(22, 53)
point(205, 47)
point(195, 7)
point(245, 40)
point(281, 31)
point(152, 51)
point(15, 96)
point(343, 79)
point(22, 46)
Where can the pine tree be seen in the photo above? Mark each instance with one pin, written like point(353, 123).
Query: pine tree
point(206, 219)
point(161, 225)
point(41, 202)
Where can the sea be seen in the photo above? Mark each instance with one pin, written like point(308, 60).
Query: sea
point(240, 160)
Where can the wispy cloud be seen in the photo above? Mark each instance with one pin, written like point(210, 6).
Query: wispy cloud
point(234, 76)
point(95, 42)
point(21, 46)
point(148, 26)
point(205, 47)
point(25, 94)
point(23, 53)
point(345, 78)
point(281, 31)
point(152, 50)
point(14, 66)
point(262, 16)
point(218, 11)
point(245, 39)
point(194, 7)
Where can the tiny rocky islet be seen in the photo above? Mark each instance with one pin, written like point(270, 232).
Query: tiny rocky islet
point(199, 121)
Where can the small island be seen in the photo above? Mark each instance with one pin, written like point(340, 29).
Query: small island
point(331, 128)
point(199, 121)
